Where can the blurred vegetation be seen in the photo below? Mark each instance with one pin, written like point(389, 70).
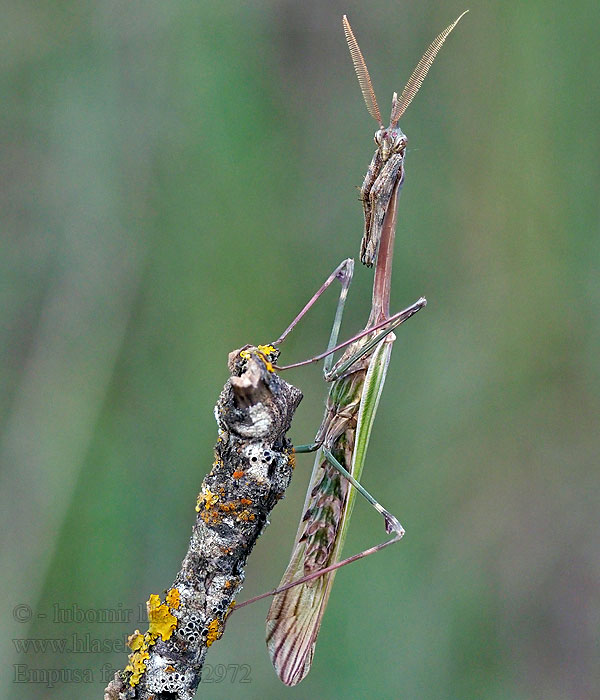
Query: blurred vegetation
point(178, 178)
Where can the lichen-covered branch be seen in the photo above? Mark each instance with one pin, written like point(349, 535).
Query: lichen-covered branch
point(252, 468)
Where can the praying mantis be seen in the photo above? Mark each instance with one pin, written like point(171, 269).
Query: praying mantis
point(357, 379)
point(356, 382)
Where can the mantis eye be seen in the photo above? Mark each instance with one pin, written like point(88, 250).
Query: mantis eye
point(399, 143)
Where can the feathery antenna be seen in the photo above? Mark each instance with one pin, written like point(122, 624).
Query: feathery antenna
point(362, 73)
point(418, 75)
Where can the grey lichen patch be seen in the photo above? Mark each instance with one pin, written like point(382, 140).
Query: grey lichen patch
point(162, 676)
point(259, 466)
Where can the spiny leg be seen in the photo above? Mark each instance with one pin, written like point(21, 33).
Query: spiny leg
point(391, 522)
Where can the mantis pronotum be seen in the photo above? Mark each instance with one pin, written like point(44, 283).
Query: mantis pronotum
point(295, 615)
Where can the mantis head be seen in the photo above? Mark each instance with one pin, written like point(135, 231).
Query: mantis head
point(392, 140)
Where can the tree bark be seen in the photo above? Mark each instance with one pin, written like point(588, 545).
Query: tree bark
point(252, 469)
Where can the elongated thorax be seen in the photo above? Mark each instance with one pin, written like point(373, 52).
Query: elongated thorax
point(385, 172)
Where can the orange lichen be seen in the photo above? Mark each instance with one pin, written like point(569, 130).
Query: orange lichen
point(245, 515)
point(292, 458)
point(209, 499)
point(266, 349)
point(135, 640)
point(211, 517)
point(245, 501)
point(215, 631)
point(161, 621)
point(229, 507)
point(162, 624)
point(206, 499)
point(139, 643)
point(173, 599)
point(136, 666)
point(238, 474)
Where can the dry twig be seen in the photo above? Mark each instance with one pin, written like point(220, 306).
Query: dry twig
point(252, 468)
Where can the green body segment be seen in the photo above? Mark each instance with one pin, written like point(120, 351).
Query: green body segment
point(329, 491)
point(295, 615)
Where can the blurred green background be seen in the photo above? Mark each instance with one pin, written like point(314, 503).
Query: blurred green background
point(178, 178)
